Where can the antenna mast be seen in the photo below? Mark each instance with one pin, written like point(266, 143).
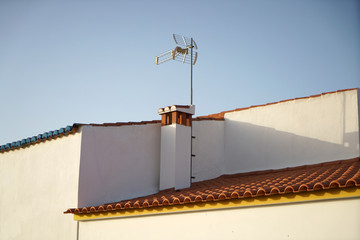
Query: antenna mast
point(191, 70)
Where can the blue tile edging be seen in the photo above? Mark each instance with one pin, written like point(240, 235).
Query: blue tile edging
point(39, 138)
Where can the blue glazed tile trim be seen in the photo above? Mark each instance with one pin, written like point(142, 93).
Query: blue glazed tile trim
point(39, 138)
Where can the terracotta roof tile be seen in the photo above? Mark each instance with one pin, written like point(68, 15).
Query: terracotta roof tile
point(336, 174)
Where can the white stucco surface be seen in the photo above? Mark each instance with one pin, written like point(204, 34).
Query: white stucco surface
point(37, 184)
point(175, 156)
point(208, 147)
point(118, 163)
point(292, 133)
point(167, 157)
point(323, 220)
point(182, 157)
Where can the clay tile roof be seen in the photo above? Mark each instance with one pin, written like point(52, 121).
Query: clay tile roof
point(308, 178)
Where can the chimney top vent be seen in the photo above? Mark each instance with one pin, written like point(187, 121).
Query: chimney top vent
point(177, 114)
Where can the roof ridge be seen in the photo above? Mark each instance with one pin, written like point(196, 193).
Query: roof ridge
point(205, 118)
point(62, 132)
point(39, 138)
point(122, 123)
point(221, 115)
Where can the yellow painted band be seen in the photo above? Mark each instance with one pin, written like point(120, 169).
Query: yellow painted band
point(232, 203)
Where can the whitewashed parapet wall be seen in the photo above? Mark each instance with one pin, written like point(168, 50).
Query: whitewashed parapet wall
point(292, 133)
point(36, 184)
point(208, 148)
point(118, 163)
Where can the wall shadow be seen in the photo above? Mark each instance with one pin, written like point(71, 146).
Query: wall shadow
point(250, 147)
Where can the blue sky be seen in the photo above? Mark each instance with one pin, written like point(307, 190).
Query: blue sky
point(65, 62)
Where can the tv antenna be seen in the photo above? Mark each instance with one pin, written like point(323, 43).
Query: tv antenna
point(184, 55)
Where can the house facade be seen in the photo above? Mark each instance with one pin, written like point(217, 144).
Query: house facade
point(284, 170)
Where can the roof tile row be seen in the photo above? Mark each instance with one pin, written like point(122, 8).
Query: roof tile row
point(336, 174)
point(39, 138)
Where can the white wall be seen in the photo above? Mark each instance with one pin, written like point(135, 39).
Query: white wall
point(118, 163)
point(293, 133)
point(208, 147)
point(37, 184)
point(328, 220)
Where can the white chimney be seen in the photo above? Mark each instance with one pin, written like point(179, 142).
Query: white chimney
point(175, 158)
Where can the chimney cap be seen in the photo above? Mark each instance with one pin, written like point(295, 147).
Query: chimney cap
point(190, 109)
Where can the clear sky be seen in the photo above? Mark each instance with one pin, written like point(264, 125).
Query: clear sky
point(65, 62)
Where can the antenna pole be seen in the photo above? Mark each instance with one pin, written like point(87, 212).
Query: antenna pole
point(191, 103)
point(191, 72)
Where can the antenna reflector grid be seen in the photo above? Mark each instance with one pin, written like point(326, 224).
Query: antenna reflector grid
point(184, 41)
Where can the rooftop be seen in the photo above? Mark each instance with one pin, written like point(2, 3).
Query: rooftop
point(73, 128)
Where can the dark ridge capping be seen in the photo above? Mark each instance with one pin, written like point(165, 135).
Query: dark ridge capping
point(121, 123)
point(208, 119)
point(39, 138)
point(181, 106)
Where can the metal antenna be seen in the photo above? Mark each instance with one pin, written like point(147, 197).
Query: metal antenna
point(181, 55)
